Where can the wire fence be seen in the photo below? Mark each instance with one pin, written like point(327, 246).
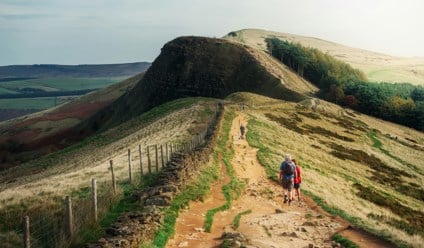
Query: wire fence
point(59, 222)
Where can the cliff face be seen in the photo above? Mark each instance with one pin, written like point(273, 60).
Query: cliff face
point(195, 66)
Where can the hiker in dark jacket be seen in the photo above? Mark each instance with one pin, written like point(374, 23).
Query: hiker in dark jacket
point(286, 177)
point(242, 131)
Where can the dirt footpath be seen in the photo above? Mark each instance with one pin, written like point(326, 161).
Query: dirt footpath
point(270, 224)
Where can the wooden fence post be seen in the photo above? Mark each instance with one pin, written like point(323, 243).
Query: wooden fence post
point(69, 217)
point(94, 195)
point(157, 160)
point(129, 166)
point(167, 153)
point(161, 156)
point(141, 160)
point(27, 235)
point(113, 177)
point(149, 162)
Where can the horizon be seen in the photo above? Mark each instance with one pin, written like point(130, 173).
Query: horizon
point(106, 32)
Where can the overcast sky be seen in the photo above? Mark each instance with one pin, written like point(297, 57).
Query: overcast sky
point(118, 31)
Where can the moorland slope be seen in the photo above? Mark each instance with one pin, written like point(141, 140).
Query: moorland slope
point(377, 66)
point(364, 169)
point(198, 66)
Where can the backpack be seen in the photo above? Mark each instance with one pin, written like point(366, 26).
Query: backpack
point(289, 169)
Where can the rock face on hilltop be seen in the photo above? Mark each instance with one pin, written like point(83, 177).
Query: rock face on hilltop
point(195, 66)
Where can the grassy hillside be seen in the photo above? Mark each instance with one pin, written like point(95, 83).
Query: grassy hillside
point(38, 103)
point(56, 84)
point(76, 71)
point(26, 87)
point(350, 164)
point(40, 133)
point(377, 67)
point(197, 66)
point(42, 183)
point(340, 83)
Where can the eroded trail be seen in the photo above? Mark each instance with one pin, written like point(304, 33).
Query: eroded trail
point(270, 223)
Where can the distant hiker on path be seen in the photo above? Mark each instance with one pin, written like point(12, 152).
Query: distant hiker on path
point(242, 106)
point(286, 177)
point(242, 131)
point(297, 180)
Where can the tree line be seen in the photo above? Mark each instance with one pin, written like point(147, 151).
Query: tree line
point(401, 103)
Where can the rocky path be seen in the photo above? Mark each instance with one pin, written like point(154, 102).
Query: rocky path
point(270, 223)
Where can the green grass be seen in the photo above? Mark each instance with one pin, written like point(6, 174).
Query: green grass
point(234, 188)
point(227, 244)
point(379, 145)
point(48, 214)
point(121, 131)
point(236, 221)
point(415, 218)
point(61, 83)
point(265, 156)
point(7, 91)
point(344, 241)
point(266, 230)
point(264, 153)
point(333, 210)
point(195, 191)
point(31, 103)
point(123, 204)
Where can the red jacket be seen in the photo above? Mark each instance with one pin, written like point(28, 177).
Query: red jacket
point(298, 178)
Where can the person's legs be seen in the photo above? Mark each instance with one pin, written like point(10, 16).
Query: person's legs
point(290, 189)
point(285, 190)
point(297, 188)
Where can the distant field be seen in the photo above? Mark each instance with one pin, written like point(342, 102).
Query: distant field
point(33, 103)
point(58, 84)
point(7, 91)
point(26, 88)
point(49, 85)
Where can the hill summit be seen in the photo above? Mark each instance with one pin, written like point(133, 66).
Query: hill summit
point(198, 66)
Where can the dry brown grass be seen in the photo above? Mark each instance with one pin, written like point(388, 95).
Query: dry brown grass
point(377, 66)
point(332, 166)
point(74, 172)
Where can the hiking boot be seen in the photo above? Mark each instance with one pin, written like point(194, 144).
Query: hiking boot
point(285, 198)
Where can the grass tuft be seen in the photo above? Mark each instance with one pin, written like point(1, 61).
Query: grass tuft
point(236, 221)
point(234, 188)
point(344, 241)
point(194, 191)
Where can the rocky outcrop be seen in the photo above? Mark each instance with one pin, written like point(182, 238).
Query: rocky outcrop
point(134, 228)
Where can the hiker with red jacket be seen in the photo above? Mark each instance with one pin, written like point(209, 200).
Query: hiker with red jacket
point(286, 177)
point(297, 180)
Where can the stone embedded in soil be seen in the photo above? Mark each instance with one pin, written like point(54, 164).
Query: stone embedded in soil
point(183, 244)
point(233, 235)
point(288, 234)
point(279, 211)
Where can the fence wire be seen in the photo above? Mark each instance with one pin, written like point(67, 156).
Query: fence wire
point(49, 221)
